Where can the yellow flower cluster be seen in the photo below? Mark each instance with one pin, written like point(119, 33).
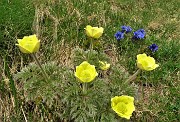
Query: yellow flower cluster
point(85, 72)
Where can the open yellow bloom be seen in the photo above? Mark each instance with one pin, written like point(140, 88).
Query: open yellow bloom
point(145, 62)
point(29, 44)
point(85, 72)
point(123, 105)
point(94, 32)
point(104, 65)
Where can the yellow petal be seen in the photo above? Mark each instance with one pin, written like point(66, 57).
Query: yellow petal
point(22, 49)
point(98, 32)
point(89, 31)
point(19, 41)
point(141, 56)
point(84, 64)
point(33, 38)
point(36, 47)
point(131, 108)
point(79, 69)
point(139, 65)
point(121, 109)
point(155, 66)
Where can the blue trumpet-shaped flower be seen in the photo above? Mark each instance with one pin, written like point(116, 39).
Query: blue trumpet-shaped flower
point(139, 34)
point(119, 35)
point(153, 47)
point(126, 29)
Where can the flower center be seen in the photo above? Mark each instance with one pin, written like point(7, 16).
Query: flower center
point(122, 107)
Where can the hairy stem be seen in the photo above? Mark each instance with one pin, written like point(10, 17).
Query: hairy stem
point(90, 49)
point(84, 88)
point(133, 77)
point(38, 63)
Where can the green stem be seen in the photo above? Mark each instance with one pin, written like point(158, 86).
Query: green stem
point(84, 88)
point(133, 77)
point(45, 75)
point(38, 63)
point(90, 49)
point(91, 44)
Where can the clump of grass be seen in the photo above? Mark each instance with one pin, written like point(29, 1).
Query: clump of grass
point(63, 93)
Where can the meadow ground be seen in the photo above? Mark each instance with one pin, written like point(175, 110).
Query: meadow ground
point(60, 26)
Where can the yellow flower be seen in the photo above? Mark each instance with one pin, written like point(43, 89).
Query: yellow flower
point(104, 65)
point(94, 32)
point(145, 62)
point(29, 44)
point(123, 105)
point(85, 72)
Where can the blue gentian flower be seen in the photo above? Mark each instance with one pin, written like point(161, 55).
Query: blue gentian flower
point(139, 34)
point(153, 47)
point(126, 29)
point(119, 35)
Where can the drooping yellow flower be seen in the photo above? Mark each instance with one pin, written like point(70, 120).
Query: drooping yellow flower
point(85, 72)
point(123, 105)
point(29, 44)
point(94, 32)
point(104, 65)
point(145, 62)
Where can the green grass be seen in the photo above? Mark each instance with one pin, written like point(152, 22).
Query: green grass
point(159, 99)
